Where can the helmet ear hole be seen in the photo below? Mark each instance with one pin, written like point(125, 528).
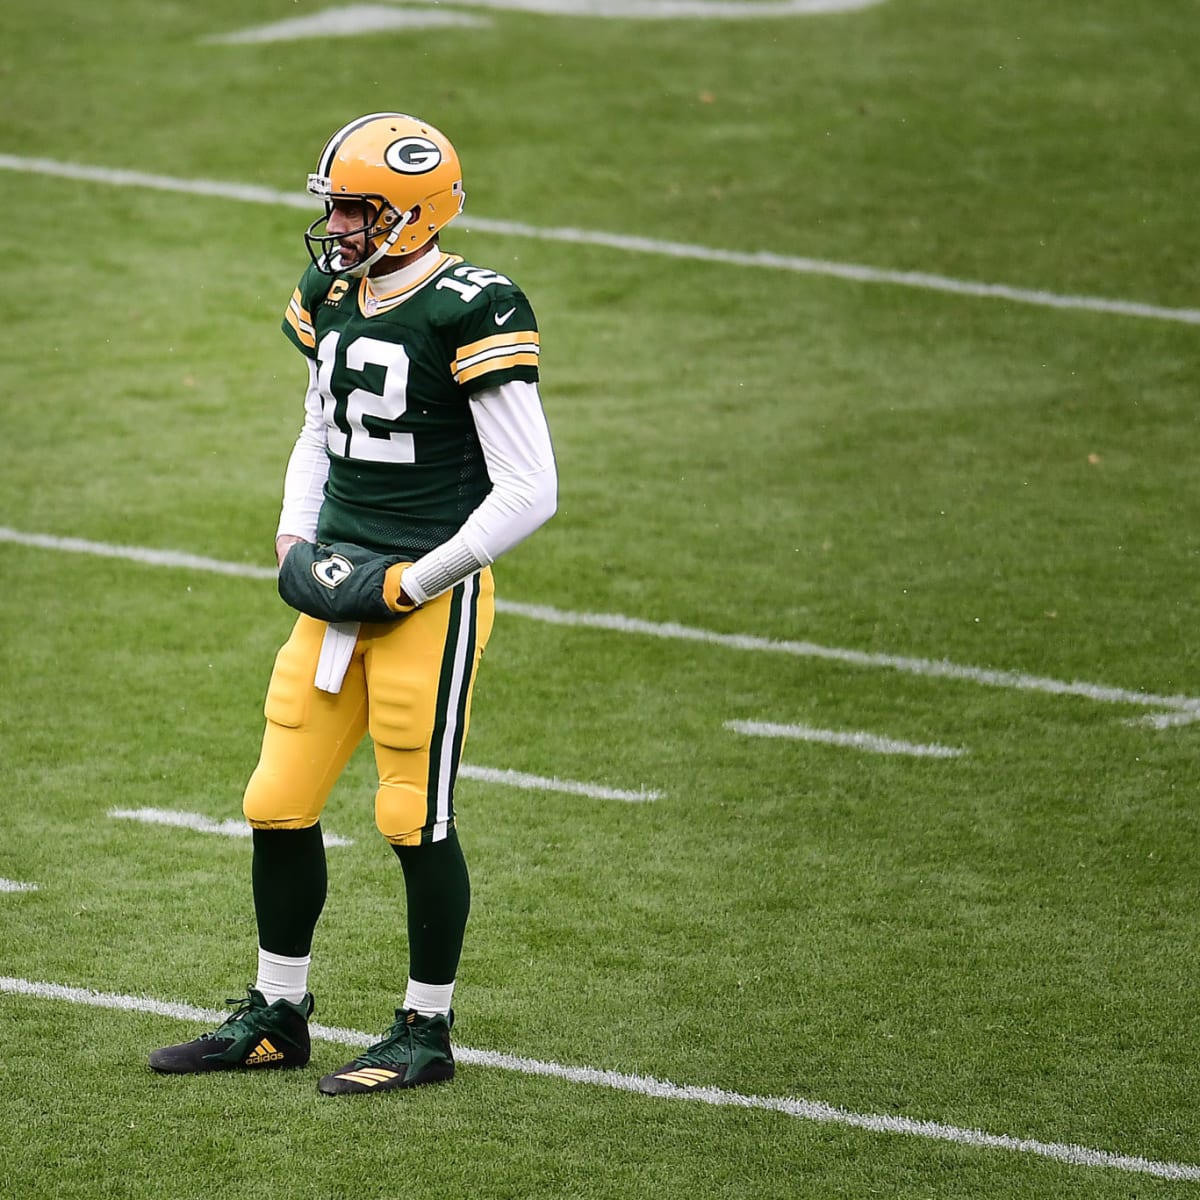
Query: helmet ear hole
point(393, 216)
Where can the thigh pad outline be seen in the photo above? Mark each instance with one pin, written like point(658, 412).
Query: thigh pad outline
point(290, 690)
point(403, 668)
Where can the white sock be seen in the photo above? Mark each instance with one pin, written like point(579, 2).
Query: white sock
point(429, 999)
point(281, 978)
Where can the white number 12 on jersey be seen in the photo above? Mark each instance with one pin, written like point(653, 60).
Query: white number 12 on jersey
point(360, 442)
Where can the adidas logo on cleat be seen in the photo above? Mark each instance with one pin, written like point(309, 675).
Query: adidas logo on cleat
point(369, 1076)
point(262, 1054)
point(415, 1051)
point(256, 1036)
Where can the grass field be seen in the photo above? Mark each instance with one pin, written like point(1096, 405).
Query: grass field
point(870, 353)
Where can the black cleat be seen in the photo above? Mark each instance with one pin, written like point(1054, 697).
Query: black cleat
point(415, 1051)
point(256, 1036)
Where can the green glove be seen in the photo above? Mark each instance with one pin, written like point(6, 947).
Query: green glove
point(338, 581)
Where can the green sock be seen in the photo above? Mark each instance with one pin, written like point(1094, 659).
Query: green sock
point(288, 874)
point(439, 898)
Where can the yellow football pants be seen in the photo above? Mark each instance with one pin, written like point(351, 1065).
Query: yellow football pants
point(409, 685)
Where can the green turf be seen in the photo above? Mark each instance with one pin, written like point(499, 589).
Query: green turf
point(1002, 941)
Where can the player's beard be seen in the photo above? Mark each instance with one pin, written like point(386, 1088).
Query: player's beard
point(350, 253)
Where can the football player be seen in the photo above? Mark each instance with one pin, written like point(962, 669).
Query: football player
point(424, 455)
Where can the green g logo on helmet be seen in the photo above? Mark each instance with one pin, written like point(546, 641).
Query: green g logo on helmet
point(412, 155)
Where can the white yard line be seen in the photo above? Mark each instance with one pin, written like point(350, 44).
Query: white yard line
point(871, 742)
point(542, 783)
point(657, 10)
point(1187, 707)
point(200, 823)
point(355, 19)
point(15, 885)
point(763, 260)
point(659, 1089)
point(347, 21)
point(231, 827)
point(140, 554)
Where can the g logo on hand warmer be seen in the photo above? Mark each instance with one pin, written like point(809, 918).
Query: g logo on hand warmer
point(332, 571)
point(338, 581)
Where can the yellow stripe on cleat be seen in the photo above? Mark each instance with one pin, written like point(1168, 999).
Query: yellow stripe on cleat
point(369, 1076)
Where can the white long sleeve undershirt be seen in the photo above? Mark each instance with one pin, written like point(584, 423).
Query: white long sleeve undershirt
point(515, 439)
point(307, 468)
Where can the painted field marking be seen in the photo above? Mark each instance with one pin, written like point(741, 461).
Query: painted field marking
point(354, 19)
point(870, 742)
point(201, 824)
point(856, 272)
point(348, 21)
point(1164, 720)
point(542, 783)
point(231, 827)
point(15, 885)
point(673, 10)
point(139, 554)
point(1187, 707)
point(647, 1085)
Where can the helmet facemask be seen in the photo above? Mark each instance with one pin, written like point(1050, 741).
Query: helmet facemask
point(380, 228)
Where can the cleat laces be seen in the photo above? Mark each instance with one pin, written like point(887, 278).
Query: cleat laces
point(240, 1014)
point(383, 1053)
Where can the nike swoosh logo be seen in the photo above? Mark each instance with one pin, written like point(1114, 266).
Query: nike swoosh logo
point(502, 317)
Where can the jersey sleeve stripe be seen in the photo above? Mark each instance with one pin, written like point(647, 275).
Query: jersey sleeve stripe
point(508, 347)
point(495, 362)
point(514, 338)
point(299, 318)
point(493, 353)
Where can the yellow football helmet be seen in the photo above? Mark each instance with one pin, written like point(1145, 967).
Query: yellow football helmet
point(405, 172)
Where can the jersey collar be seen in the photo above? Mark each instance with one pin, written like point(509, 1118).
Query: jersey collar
point(378, 294)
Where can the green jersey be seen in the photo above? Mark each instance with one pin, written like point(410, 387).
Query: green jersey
point(395, 372)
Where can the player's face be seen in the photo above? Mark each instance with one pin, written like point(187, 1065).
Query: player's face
point(346, 222)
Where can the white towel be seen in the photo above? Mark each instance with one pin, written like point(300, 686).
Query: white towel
point(337, 649)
